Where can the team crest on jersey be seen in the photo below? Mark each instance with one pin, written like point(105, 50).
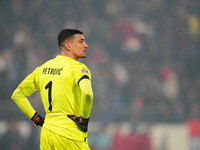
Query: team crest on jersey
point(84, 71)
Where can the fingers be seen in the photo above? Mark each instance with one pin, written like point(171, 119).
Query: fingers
point(74, 118)
point(81, 126)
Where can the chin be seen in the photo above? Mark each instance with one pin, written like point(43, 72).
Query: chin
point(83, 56)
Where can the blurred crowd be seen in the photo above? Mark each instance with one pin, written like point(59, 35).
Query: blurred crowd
point(144, 56)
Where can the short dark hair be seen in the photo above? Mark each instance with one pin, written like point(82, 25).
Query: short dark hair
point(66, 34)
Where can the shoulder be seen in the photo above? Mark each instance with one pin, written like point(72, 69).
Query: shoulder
point(77, 65)
point(82, 65)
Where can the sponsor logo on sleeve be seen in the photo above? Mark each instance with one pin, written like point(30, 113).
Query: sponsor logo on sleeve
point(84, 71)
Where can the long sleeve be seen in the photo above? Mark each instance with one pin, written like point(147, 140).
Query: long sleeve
point(26, 88)
point(22, 102)
point(86, 97)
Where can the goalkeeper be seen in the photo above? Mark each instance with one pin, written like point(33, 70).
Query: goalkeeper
point(66, 92)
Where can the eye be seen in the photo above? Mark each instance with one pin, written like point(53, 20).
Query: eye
point(82, 40)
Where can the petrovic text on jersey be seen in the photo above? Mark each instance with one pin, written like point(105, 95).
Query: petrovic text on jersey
point(52, 71)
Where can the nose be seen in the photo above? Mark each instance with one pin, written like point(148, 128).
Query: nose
point(86, 45)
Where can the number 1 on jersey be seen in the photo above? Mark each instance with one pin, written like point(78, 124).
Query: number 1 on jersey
point(49, 86)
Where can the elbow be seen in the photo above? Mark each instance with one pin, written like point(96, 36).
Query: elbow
point(14, 94)
point(17, 94)
point(89, 97)
point(13, 97)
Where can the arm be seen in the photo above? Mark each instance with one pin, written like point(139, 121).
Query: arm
point(26, 88)
point(86, 98)
point(22, 102)
point(86, 104)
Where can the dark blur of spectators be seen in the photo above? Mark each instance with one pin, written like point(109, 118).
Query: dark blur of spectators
point(144, 56)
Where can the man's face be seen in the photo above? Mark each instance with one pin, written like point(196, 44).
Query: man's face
point(78, 47)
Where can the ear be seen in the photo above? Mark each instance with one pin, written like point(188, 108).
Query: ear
point(67, 46)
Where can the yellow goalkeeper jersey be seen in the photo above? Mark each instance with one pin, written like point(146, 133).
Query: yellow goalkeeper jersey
point(58, 80)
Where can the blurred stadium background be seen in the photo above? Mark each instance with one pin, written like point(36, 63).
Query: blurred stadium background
point(144, 59)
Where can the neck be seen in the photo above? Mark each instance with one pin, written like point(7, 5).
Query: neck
point(63, 53)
